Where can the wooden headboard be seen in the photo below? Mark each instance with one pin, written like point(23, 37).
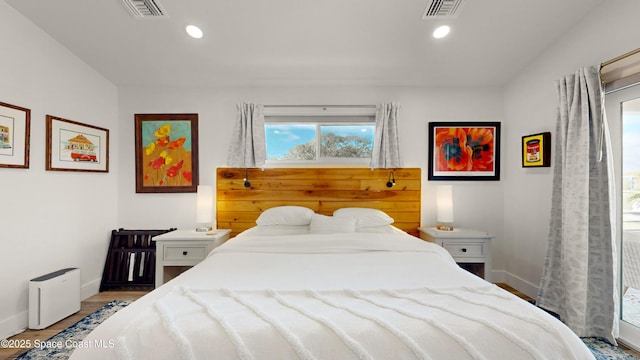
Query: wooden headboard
point(320, 189)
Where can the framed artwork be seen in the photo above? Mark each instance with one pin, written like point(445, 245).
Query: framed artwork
point(15, 124)
point(464, 151)
point(536, 150)
point(73, 146)
point(166, 153)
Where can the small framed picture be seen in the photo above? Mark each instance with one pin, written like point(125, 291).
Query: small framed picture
point(74, 146)
point(464, 151)
point(166, 153)
point(14, 136)
point(536, 150)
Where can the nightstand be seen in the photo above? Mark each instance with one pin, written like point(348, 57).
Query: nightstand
point(471, 249)
point(178, 250)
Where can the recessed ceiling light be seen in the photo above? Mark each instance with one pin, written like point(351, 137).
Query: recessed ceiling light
point(194, 31)
point(441, 31)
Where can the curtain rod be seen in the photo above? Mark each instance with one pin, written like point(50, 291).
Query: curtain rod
point(322, 106)
point(630, 53)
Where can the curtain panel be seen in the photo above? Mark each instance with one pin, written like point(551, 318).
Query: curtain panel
point(247, 148)
point(578, 280)
point(386, 143)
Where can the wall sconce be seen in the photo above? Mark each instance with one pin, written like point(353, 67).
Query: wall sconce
point(444, 204)
point(392, 179)
point(204, 208)
point(246, 178)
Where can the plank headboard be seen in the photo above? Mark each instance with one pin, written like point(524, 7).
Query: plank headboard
point(320, 189)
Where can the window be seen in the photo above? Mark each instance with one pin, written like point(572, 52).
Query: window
point(624, 109)
point(312, 139)
point(622, 83)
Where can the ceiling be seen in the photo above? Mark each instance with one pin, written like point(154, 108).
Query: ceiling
point(306, 43)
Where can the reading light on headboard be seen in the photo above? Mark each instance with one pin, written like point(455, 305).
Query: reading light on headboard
point(246, 178)
point(392, 179)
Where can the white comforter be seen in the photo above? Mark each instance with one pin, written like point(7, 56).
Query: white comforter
point(333, 296)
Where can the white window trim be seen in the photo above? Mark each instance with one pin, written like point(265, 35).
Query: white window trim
point(328, 110)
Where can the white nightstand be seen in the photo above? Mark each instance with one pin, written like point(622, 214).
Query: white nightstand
point(179, 249)
point(471, 249)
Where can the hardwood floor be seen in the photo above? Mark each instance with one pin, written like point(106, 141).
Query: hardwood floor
point(99, 300)
point(88, 306)
point(516, 292)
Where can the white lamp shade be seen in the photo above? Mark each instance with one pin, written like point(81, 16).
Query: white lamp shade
point(444, 201)
point(204, 204)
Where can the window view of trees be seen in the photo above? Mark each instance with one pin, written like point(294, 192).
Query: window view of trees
point(300, 141)
point(349, 146)
point(306, 151)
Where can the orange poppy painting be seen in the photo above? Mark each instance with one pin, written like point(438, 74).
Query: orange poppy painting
point(464, 151)
point(166, 152)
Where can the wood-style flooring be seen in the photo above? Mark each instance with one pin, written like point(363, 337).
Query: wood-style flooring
point(97, 301)
point(88, 306)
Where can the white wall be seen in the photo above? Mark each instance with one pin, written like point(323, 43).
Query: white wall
point(50, 219)
point(477, 204)
point(611, 29)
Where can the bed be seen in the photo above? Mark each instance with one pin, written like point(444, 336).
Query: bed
point(324, 263)
point(350, 285)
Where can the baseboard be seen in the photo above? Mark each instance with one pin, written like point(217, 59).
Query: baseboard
point(520, 284)
point(14, 324)
point(89, 289)
point(498, 276)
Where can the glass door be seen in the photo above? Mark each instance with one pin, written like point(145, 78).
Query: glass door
point(623, 113)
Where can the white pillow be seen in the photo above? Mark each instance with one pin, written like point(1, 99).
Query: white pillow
point(285, 215)
point(275, 230)
point(383, 229)
point(322, 224)
point(365, 217)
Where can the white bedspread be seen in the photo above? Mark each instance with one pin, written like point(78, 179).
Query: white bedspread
point(334, 296)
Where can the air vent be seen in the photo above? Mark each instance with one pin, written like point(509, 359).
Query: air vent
point(437, 9)
point(144, 8)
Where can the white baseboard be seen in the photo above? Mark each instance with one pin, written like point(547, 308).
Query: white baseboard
point(516, 282)
point(19, 322)
point(89, 289)
point(498, 276)
point(14, 324)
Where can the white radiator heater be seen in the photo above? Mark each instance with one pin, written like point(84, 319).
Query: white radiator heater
point(53, 297)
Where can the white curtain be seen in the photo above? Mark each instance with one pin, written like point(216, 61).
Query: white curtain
point(386, 146)
point(247, 148)
point(578, 280)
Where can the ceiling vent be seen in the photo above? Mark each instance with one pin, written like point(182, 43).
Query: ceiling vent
point(144, 8)
point(439, 9)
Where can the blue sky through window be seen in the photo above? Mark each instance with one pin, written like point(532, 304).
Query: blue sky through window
point(281, 138)
point(364, 131)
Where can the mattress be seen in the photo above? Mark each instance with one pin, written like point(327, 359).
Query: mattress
point(330, 296)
